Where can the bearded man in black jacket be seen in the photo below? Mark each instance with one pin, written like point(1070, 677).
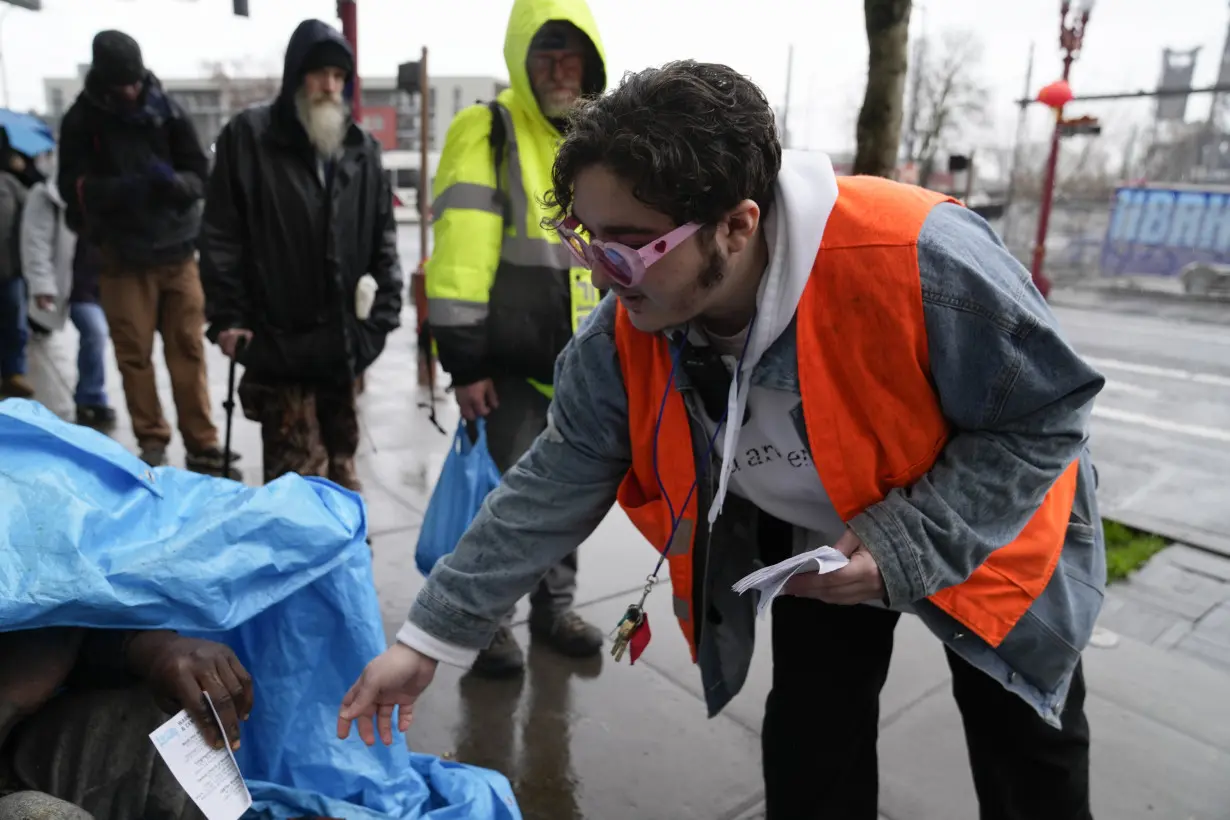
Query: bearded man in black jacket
point(299, 259)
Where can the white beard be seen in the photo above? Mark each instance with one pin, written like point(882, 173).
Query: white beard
point(557, 104)
point(325, 122)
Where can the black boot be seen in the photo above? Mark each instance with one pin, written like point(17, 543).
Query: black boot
point(100, 417)
point(502, 659)
point(211, 462)
point(567, 633)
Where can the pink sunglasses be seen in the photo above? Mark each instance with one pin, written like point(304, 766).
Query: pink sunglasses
point(623, 264)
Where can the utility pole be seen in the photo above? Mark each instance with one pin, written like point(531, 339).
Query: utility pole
point(424, 143)
point(1016, 145)
point(412, 79)
point(969, 178)
point(1129, 158)
point(348, 11)
point(1071, 38)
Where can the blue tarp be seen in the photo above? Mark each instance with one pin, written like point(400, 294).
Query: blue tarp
point(92, 537)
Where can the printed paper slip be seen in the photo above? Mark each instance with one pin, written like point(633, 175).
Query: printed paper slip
point(770, 580)
point(210, 776)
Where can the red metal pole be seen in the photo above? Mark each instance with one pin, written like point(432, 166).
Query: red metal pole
point(1048, 195)
point(347, 10)
point(1070, 40)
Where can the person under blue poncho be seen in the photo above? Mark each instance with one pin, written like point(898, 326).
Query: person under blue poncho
point(125, 592)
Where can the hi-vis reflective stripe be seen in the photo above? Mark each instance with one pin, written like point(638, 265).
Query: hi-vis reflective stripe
point(683, 608)
point(519, 204)
point(682, 542)
point(455, 313)
point(538, 253)
point(469, 196)
point(519, 249)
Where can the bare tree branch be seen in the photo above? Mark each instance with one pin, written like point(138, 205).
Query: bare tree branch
point(951, 97)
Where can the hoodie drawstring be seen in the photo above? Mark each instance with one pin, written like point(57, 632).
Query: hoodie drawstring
point(735, 405)
point(703, 464)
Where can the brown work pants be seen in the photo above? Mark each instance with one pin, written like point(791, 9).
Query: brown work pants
point(309, 429)
point(166, 299)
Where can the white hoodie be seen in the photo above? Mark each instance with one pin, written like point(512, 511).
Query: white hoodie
point(805, 195)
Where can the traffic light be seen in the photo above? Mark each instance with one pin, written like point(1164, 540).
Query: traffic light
point(957, 163)
point(241, 8)
point(408, 79)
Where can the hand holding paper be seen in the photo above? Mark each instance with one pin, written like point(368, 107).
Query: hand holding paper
point(772, 579)
point(845, 573)
point(856, 582)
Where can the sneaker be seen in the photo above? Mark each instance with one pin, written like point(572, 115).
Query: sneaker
point(100, 417)
point(154, 455)
point(16, 387)
point(502, 659)
point(567, 633)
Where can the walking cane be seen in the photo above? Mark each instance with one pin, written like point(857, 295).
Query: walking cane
point(229, 405)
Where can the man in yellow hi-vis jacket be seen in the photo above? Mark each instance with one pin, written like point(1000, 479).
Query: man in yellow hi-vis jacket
point(503, 294)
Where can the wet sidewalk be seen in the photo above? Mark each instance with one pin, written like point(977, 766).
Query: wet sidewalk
point(601, 740)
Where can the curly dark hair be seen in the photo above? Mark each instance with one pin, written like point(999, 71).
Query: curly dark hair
point(693, 139)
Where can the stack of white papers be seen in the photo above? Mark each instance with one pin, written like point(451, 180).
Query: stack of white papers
point(770, 580)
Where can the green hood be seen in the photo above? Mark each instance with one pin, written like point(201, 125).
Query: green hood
point(527, 17)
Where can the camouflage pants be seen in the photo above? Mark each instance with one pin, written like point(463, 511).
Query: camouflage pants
point(309, 429)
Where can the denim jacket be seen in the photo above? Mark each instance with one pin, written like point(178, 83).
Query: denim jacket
point(1016, 394)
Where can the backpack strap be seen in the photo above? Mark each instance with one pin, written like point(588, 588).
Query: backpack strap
point(498, 141)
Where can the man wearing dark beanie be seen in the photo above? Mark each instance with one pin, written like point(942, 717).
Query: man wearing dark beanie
point(132, 173)
point(299, 259)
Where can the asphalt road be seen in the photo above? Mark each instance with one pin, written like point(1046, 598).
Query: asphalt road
point(1161, 435)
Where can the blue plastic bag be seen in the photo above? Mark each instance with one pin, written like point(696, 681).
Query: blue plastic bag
point(92, 537)
point(469, 473)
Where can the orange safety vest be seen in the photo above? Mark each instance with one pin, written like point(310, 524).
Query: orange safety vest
point(874, 421)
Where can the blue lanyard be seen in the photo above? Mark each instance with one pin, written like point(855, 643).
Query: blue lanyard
point(677, 519)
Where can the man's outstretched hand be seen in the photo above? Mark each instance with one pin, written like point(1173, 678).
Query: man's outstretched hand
point(395, 679)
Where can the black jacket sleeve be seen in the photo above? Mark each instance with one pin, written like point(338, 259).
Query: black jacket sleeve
point(385, 265)
point(187, 158)
point(73, 162)
point(84, 190)
point(224, 240)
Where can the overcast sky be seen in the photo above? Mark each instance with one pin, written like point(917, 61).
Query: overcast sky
point(1122, 50)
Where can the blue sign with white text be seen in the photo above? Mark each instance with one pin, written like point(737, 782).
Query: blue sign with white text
point(1160, 231)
